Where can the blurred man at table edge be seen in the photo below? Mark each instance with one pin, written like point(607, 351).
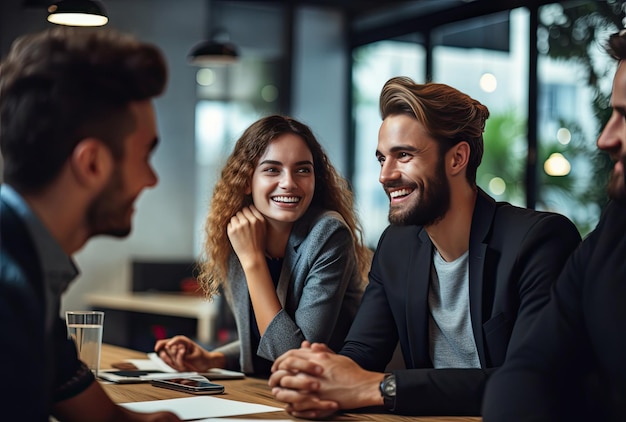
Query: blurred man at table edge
point(456, 277)
point(571, 364)
point(77, 130)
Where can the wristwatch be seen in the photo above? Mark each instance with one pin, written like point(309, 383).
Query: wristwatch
point(388, 391)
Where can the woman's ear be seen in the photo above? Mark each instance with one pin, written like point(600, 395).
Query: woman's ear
point(459, 157)
point(92, 163)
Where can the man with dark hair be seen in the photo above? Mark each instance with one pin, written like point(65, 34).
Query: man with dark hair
point(571, 366)
point(77, 129)
point(456, 277)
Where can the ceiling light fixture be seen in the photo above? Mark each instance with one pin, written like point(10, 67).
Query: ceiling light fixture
point(213, 52)
point(217, 50)
point(77, 13)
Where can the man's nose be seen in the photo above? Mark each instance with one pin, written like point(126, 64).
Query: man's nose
point(613, 136)
point(388, 171)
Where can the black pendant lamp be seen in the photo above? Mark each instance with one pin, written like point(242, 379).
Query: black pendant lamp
point(213, 52)
point(217, 50)
point(77, 13)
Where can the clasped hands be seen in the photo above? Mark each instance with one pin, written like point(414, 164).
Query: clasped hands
point(315, 382)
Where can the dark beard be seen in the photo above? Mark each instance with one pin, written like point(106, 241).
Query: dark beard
point(106, 214)
point(617, 184)
point(433, 205)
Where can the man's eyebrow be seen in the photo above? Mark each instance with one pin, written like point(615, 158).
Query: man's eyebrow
point(397, 148)
point(403, 148)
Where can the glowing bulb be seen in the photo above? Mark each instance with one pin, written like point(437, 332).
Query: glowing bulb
point(564, 136)
point(205, 77)
point(488, 82)
point(497, 186)
point(557, 165)
point(269, 93)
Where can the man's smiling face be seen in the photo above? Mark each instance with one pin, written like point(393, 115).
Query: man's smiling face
point(412, 172)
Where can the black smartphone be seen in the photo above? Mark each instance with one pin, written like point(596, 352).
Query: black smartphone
point(189, 385)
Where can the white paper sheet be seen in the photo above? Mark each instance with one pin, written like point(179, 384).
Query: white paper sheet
point(159, 363)
point(200, 407)
point(155, 363)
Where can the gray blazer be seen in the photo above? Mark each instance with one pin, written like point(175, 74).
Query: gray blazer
point(319, 288)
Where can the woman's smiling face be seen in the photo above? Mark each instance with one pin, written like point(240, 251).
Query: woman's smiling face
point(283, 182)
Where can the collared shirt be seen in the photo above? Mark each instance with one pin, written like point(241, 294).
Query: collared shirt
point(57, 267)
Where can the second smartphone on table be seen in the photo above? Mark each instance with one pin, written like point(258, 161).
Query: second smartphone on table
point(189, 385)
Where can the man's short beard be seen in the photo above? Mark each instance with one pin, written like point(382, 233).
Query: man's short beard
point(433, 204)
point(107, 212)
point(617, 184)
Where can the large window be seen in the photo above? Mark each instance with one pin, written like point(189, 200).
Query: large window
point(575, 77)
point(488, 58)
point(230, 98)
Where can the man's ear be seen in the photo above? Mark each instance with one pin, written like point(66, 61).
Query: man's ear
point(458, 157)
point(92, 163)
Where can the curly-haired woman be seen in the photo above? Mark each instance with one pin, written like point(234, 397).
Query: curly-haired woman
point(284, 243)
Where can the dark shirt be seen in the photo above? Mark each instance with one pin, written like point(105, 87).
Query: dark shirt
point(39, 358)
point(571, 365)
point(262, 366)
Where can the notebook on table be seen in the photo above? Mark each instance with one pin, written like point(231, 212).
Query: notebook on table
point(144, 370)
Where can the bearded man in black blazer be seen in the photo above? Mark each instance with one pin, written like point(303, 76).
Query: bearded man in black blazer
point(456, 279)
point(572, 364)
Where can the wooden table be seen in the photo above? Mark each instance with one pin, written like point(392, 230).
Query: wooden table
point(251, 390)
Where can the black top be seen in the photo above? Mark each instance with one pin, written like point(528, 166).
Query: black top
point(571, 364)
point(262, 366)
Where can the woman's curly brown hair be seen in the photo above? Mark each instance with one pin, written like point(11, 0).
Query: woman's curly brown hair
point(229, 196)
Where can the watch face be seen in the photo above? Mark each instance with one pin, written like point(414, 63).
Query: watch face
point(389, 386)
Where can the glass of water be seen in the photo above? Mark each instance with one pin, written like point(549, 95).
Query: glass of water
point(85, 328)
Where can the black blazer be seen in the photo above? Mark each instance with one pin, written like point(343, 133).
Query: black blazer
point(514, 256)
point(572, 364)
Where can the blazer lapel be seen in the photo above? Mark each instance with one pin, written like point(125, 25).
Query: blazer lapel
point(417, 284)
point(484, 212)
point(298, 233)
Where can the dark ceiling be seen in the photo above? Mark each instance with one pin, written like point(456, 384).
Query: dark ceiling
point(361, 7)
point(373, 20)
point(351, 7)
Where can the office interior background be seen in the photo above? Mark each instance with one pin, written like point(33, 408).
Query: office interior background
point(539, 66)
